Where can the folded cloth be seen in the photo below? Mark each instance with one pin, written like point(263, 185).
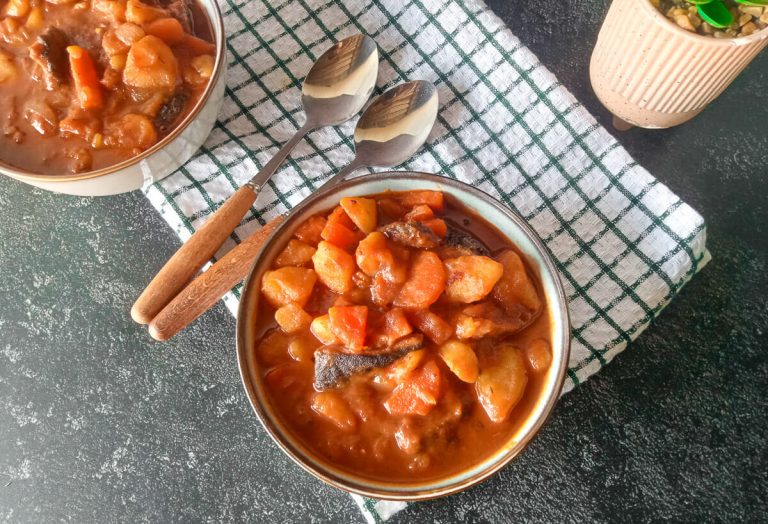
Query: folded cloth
point(624, 244)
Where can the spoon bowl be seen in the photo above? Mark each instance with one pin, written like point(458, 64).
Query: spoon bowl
point(341, 81)
point(393, 127)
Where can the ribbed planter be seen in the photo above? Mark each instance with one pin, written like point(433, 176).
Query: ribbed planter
point(651, 73)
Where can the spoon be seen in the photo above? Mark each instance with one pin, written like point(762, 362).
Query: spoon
point(388, 133)
point(336, 88)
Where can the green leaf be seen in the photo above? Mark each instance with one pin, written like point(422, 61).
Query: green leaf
point(715, 14)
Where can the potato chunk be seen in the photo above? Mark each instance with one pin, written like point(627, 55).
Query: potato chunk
point(362, 211)
point(501, 382)
point(321, 328)
point(296, 253)
point(292, 318)
point(288, 284)
point(539, 355)
point(461, 359)
point(151, 65)
point(515, 287)
point(334, 266)
point(333, 407)
point(470, 278)
point(373, 255)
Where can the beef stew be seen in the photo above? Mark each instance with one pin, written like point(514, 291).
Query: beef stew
point(402, 337)
point(86, 84)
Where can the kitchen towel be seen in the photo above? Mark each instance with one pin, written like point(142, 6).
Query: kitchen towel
point(623, 242)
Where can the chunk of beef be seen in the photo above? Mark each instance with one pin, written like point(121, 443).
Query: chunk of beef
point(332, 365)
point(50, 52)
point(411, 234)
point(170, 111)
point(462, 240)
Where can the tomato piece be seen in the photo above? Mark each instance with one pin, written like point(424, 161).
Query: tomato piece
point(348, 323)
point(438, 226)
point(432, 325)
point(296, 253)
point(433, 199)
point(288, 284)
point(311, 230)
point(362, 211)
point(470, 278)
point(372, 254)
point(420, 212)
point(334, 267)
point(425, 284)
point(418, 394)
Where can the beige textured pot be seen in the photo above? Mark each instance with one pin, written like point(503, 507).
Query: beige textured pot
point(651, 73)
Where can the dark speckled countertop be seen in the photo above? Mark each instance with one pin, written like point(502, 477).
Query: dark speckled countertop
point(98, 424)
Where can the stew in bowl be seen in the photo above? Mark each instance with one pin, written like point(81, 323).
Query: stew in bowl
point(89, 84)
point(399, 337)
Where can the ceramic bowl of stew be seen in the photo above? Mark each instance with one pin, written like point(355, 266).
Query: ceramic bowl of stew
point(107, 96)
point(403, 335)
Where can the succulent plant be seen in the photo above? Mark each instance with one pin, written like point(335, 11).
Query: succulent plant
point(716, 14)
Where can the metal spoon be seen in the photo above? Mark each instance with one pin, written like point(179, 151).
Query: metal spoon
point(337, 87)
point(390, 131)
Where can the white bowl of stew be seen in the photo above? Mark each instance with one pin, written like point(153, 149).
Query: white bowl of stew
point(403, 335)
point(106, 96)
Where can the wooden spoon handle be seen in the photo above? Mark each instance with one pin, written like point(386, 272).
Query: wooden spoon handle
point(209, 287)
point(192, 255)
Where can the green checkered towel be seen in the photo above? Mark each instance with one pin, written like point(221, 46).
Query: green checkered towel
point(624, 244)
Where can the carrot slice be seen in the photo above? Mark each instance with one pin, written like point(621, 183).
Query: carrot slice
point(198, 46)
point(438, 226)
point(348, 323)
point(86, 79)
point(338, 234)
point(362, 211)
point(169, 30)
point(418, 395)
point(339, 215)
point(433, 199)
point(391, 208)
point(426, 281)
